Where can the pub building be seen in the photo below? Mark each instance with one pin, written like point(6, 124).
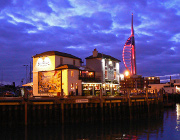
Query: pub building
point(57, 73)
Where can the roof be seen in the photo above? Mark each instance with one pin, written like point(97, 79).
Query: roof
point(66, 66)
point(100, 55)
point(56, 53)
point(28, 85)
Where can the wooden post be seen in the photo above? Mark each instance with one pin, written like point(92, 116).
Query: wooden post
point(156, 95)
point(147, 97)
point(25, 111)
point(62, 110)
point(129, 98)
point(101, 100)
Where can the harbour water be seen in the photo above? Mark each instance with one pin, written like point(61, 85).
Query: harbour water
point(163, 126)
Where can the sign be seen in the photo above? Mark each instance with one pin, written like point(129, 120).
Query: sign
point(43, 62)
point(82, 100)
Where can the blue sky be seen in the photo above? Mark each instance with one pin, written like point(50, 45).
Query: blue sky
point(29, 27)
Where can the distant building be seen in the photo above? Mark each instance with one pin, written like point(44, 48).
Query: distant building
point(171, 87)
point(151, 80)
point(135, 83)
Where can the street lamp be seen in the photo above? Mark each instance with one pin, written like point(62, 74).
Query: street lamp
point(26, 71)
point(127, 73)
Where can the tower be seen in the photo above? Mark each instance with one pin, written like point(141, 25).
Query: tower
point(129, 52)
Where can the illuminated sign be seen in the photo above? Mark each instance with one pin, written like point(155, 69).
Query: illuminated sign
point(43, 63)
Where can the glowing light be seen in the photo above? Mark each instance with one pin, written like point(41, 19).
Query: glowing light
point(126, 73)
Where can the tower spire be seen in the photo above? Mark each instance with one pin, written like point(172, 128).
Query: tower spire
point(132, 29)
point(129, 52)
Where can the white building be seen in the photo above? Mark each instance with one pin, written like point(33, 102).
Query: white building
point(106, 70)
point(171, 87)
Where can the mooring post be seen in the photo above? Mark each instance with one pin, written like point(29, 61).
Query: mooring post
point(147, 96)
point(129, 98)
point(62, 114)
point(25, 111)
point(156, 95)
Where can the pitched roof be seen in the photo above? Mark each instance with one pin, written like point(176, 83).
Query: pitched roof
point(56, 53)
point(66, 66)
point(100, 55)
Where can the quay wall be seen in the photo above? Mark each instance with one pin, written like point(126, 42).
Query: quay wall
point(54, 110)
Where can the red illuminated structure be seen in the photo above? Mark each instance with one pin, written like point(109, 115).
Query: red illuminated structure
point(129, 52)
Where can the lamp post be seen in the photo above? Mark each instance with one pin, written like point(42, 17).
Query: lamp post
point(26, 71)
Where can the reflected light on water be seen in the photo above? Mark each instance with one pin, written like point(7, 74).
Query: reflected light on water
point(178, 117)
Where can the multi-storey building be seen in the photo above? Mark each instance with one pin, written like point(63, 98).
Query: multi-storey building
point(134, 83)
point(151, 80)
point(56, 73)
point(106, 70)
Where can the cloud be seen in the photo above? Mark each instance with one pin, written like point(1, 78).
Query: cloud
point(77, 27)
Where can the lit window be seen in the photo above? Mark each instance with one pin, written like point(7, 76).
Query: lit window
point(72, 73)
point(72, 87)
point(110, 63)
point(114, 75)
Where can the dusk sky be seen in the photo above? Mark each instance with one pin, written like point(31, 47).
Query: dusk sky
point(29, 27)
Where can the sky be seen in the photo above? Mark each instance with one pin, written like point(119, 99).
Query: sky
point(30, 27)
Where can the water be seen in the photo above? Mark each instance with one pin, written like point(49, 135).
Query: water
point(164, 126)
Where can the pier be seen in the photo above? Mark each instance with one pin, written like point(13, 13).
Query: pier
point(75, 109)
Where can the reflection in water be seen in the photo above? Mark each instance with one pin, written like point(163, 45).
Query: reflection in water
point(178, 117)
point(165, 125)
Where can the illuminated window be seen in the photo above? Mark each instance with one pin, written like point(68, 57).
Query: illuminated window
point(61, 60)
point(106, 74)
point(72, 87)
point(110, 63)
point(114, 75)
point(74, 62)
point(72, 73)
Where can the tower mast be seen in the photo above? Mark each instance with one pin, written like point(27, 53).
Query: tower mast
point(133, 50)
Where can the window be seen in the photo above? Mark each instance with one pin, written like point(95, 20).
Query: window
point(114, 64)
point(72, 87)
point(106, 74)
point(74, 62)
point(114, 75)
point(61, 60)
point(106, 62)
point(72, 73)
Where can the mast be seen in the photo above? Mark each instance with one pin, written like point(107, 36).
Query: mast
point(133, 50)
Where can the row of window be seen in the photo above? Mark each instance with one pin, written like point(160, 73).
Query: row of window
point(110, 63)
point(106, 74)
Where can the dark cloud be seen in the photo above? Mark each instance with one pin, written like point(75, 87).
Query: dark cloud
point(5, 3)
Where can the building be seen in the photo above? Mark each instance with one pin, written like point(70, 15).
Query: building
point(171, 87)
point(106, 70)
point(134, 83)
point(151, 80)
point(56, 73)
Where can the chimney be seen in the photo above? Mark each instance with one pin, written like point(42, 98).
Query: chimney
point(95, 53)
